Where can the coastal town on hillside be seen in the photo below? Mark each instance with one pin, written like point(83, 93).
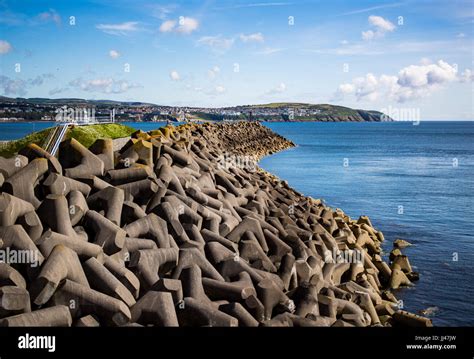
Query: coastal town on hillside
point(39, 109)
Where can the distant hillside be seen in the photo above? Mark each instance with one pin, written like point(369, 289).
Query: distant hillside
point(322, 112)
point(274, 112)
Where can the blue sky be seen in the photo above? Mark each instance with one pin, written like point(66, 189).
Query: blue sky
point(362, 54)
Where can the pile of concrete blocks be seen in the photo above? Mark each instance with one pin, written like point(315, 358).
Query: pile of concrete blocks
point(180, 228)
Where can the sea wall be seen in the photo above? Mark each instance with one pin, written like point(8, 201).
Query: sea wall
point(180, 227)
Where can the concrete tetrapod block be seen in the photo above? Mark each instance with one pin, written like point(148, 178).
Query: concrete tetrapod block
point(77, 207)
point(131, 212)
point(305, 298)
point(250, 225)
point(87, 321)
point(101, 279)
point(191, 280)
point(107, 234)
point(32, 225)
point(190, 256)
point(11, 208)
point(166, 211)
point(54, 211)
point(202, 198)
point(398, 278)
point(10, 276)
point(184, 212)
point(276, 247)
point(251, 251)
point(238, 311)
point(217, 253)
point(49, 240)
point(180, 157)
point(124, 275)
point(22, 184)
point(135, 244)
point(412, 320)
point(272, 297)
point(287, 271)
point(155, 308)
point(9, 166)
point(236, 291)
point(141, 191)
point(88, 301)
point(14, 300)
point(129, 174)
point(57, 316)
point(152, 227)
point(172, 286)
point(210, 237)
point(403, 262)
point(94, 182)
point(139, 151)
point(78, 161)
point(58, 184)
point(195, 313)
point(109, 199)
point(103, 148)
point(230, 268)
point(33, 151)
point(368, 306)
point(62, 263)
point(16, 238)
point(148, 262)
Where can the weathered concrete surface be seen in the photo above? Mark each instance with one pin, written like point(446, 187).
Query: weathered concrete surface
point(180, 227)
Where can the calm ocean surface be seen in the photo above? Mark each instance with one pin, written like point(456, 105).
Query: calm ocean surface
point(415, 183)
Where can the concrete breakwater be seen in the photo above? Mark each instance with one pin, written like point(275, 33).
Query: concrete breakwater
point(181, 227)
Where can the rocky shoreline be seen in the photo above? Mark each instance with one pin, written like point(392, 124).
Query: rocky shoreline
point(180, 227)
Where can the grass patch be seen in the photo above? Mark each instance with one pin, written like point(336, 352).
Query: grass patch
point(84, 134)
point(12, 147)
point(88, 134)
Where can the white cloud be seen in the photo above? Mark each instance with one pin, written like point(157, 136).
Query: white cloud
point(162, 11)
point(20, 87)
point(368, 35)
point(185, 25)
point(381, 24)
point(50, 15)
point(114, 54)
point(280, 88)
point(380, 27)
point(412, 82)
point(220, 89)
point(467, 76)
point(174, 75)
point(123, 29)
point(212, 73)
point(256, 37)
point(269, 51)
point(5, 47)
point(105, 85)
point(346, 89)
point(167, 26)
point(217, 43)
point(417, 76)
point(461, 35)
